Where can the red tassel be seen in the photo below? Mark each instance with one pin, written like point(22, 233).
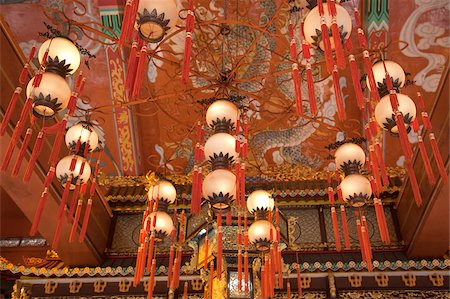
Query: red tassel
point(54, 154)
point(246, 271)
point(22, 152)
point(306, 50)
point(75, 221)
point(338, 94)
point(360, 238)
point(393, 99)
point(186, 58)
point(372, 83)
point(73, 201)
point(206, 252)
point(420, 101)
point(384, 223)
point(80, 87)
point(239, 270)
point(345, 228)
point(327, 46)
point(194, 190)
point(185, 294)
point(280, 267)
point(72, 105)
point(264, 281)
point(140, 72)
point(415, 125)
point(219, 253)
point(426, 161)
point(367, 247)
point(57, 234)
point(299, 281)
point(311, 91)
point(426, 121)
point(131, 68)
point(9, 110)
point(127, 23)
point(136, 268)
point(406, 146)
point(151, 285)
point(437, 157)
point(339, 193)
point(357, 17)
point(229, 218)
point(320, 7)
point(171, 257)
point(85, 220)
point(380, 160)
point(335, 229)
point(211, 278)
point(330, 195)
point(340, 59)
point(288, 291)
point(64, 197)
point(242, 184)
point(38, 215)
point(35, 154)
point(297, 90)
point(362, 39)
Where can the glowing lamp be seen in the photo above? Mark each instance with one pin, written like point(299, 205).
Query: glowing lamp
point(219, 187)
point(63, 56)
point(260, 202)
point(259, 234)
point(50, 97)
point(385, 117)
point(312, 25)
point(155, 18)
point(396, 73)
point(220, 150)
point(356, 190)
point(162, 227)
point(222, 116)
point(63, 171)
point(84, 134)
point(350, 158)
point(163, 191)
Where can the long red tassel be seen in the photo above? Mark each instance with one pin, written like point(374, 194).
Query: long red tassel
point(328, 53)
point(366, 240)
point(140, 72)
point(38, 215)
point(338, 50)
point(404, 141)
point(362, 39)
point(171, 257)
point(129, 17)
point(356, 84)
point(54, 154)
point(76, 219)
point(369, 71)
point(35, 154)
point(131, 69)
point(379, 219)
point(360, 238)
point(9, 110)
point(288, 291)
point(382, 166)
point(22, 152)
point(229, 218)
point(246, 271)
point(263, 281)
point(297, 90)
point(185, 294)
point(338, 94)
point(242, 184)
point(311, 90)
point(64, 197)
point(206, 251)
point(384, 223)
point(211, 279)
point(345, 228)
point(219, 253)
point(73, 200)
point(239, 270)
point(85, 220)
point(335, 229)
point(437, 157)
point(57, 234)
point(186, 58)
point(299, 281)
point(151, 285)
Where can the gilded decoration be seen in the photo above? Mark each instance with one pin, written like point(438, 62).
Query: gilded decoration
point(391, 294)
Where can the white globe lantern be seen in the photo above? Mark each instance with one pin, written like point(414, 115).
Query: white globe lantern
point(219, 187)
point(63, 56)
point(259, 234)
point(51, 96)
point(260, 200)
point(63, 171)
point(155, 18)
point(395, 71)
point(356, 190)
point(312, 25)
point(385, 117)
point(220, 150)
point(163, 191)
point(222, 115)
point(350, 158)
point(83, 132)
point(162, 227)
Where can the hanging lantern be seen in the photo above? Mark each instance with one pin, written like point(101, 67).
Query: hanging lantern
point(155, 18)
point(164, 192)
point(259, 234)
point(350, 158)
point(63, 170)
point(63, 56)
point(385, 117)
point(260, 202)
point(222, 116)
point(396, 72)
point(219, 187)
point(51, 96)
point(356, 190)
point(312, 26)
point(220, 150)
point(163, 226)
point(85, 135)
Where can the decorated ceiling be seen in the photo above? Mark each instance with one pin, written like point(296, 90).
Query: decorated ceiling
point(240, 49)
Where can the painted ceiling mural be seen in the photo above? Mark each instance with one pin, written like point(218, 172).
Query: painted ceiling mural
point(240, 48)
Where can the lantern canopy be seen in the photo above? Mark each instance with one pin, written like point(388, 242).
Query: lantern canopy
point(155, 18)
point(63, 56)
point(220, 150)
point(260, 201)
point(163, 226)
point(219, 187)
point(63, 171)
point(350, 158)
point(385, 117)
point(312, 25)
point(51, 96)
point(356, 190)
point(85, 134)
point(396, 73)
point(222, 116)
point(259, 234)
point(163, 191)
